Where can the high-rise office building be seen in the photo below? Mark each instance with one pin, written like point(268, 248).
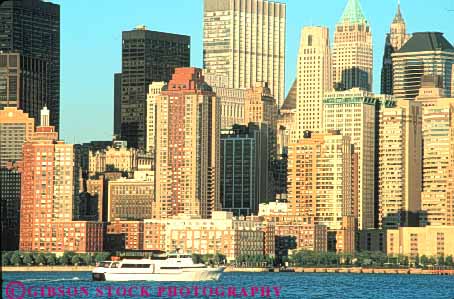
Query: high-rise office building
point(395, 39)
point(354, 113)
point(231, 100)
point(320, 178)
point(16, 128)
point(244, 168)
point(352, 50)
point(437, 124)
point(425, 53)
point(450, 190)
point(244, 41)
point(117, 105)
point(260, 106)
point(30, 64)
point(147, 56)
point(49, 196)
point(314, 78)
point(154, 90)
point(399, 164)
point(187, 147)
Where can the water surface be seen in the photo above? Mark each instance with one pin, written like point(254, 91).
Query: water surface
point(291, 285)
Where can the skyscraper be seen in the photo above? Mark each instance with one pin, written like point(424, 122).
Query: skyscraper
point(399, 164)
point(117, 105)
point(450, 190)
point(244, 168)
point(147, 56)
point(395, 39)
point(314, 78)
point(49, 196)
point(320, 178)
point(437, 124)
point(354, 113)
point(30, 41)
point(16, 128)
point(154, 90)
point(244, 40)
point(425, 53)
point(187, 147)
point(352, 50)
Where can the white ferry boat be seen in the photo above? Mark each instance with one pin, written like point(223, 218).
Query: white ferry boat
point(174, 267)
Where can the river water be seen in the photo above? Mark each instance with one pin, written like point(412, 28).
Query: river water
point(18, 285)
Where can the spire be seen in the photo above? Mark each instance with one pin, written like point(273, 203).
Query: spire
point(45, 113)
point(353, 13)
point(398, 17)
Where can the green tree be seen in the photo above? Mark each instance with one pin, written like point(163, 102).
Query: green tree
point(424, 260)
point(76, 260)
point(64, 260)
point(6, 258)
point(197, 258)
point(16, 259)
point(88, 259)
point(102, 256)
point(40, 259)
point(27, 259)
point(449, 261)
point(51, 259)
point(218, 258)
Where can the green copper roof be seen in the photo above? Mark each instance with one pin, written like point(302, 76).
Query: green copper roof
point(353, 13)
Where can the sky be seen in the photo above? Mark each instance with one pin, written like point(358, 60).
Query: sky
point(91, 45)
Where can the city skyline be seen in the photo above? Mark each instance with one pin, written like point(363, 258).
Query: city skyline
point(103, 51)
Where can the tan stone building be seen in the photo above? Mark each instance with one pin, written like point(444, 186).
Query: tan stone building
point(130, 199)
point(320, 178)
point(314, 78)
point(399, 164)
point(354, 113)
point(187, 147)
point(352, 50)
point(244, 41)
point(113, 158)
point(222, 234)
point(16, 128)
point(154, 89)
point(259, 106)
point(450, 189)
point(431, 241)
point(231, 100)
point(437, 124)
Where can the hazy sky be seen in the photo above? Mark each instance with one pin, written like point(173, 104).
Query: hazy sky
point(91, 44)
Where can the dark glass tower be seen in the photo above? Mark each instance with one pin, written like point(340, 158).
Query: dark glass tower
point(395, 40)
point(147, 56)
point(30, 42)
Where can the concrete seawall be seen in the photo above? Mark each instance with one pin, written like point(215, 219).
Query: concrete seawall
point(354, 270)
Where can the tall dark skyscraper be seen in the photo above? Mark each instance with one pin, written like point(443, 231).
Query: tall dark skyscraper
point(395, 39)
point(117, 104)
point(147, 56)
point(30, 62)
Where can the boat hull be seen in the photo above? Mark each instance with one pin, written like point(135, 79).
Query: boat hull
point(210, 274)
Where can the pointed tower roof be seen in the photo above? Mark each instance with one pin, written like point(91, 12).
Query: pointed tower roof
point(398, 17)
point(353, 13)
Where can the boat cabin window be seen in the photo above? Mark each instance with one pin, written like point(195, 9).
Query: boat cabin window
point(135, 265)
point(114, 265)
point(105, 264)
